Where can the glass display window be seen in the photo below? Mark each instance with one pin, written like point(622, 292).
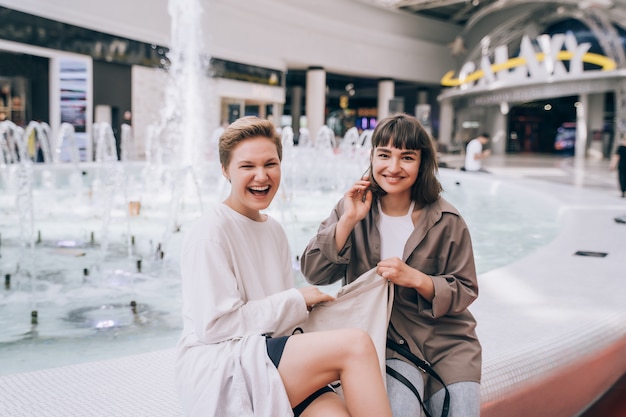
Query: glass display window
point(13, 100)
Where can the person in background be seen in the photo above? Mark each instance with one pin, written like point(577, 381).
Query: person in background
point(618, 161)
point(474, 153)
point(236, 356)
point(394, 219)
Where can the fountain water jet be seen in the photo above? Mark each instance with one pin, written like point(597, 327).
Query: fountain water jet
point(66, 139)
point(37, 137)
point(184, 111)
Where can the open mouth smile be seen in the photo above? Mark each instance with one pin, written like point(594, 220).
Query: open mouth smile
point(260, 191)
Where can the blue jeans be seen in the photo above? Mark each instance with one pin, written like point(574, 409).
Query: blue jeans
point(464, 396)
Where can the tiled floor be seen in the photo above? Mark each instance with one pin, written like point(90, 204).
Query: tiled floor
point(589, 173)
point(580, 175)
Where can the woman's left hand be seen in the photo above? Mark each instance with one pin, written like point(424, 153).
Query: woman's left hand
point(396, 271)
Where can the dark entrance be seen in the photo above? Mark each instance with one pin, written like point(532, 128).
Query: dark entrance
point(545, 126)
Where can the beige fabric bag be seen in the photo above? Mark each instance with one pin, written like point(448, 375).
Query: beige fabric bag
point(365, 304)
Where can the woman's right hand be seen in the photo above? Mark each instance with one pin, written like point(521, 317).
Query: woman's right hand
point(313, 296)
point(357, 201)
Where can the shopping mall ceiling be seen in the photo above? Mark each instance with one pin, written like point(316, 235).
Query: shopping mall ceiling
point(464, 12)
point(504, 21)
point(518, 16)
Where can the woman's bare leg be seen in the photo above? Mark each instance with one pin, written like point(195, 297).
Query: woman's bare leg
point(312, 360)
point(326, 405)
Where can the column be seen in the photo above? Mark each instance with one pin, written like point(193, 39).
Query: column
point(296, 111)
point(580, 151)
point(446, 120)
point(277, 111)
point(595, 117)
point(620, 116)
point(499, 132)
point(581, 127)
point(315, 100)
point(386, 92)
point(423, 111)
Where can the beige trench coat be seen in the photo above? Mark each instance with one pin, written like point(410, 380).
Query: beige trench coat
point(441, 332)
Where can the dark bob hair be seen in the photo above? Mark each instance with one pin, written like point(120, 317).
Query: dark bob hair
point(406, 132)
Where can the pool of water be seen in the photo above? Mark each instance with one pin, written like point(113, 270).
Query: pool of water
point(95, 301)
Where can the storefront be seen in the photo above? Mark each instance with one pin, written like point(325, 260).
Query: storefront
point(557, 93)
point(58, 73)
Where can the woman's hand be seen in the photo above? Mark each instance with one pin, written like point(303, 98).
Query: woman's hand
point(357, 201)
point(314, 296)
point(398, 272)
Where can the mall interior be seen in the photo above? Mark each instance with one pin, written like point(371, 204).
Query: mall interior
point(546, 80)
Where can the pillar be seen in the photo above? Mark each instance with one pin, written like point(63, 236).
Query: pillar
point(597, 148)
point(296, 111)
point(315, 100)
point(446, 120)
point(386, 92)
point(423, 111)
point(499, 131)
point(620, 116)
point(580, 149)
point(581, 127)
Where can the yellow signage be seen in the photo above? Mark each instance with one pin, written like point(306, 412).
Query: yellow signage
point(528, 62)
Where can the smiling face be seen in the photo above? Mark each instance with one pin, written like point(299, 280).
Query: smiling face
point(403, 161)
point(395, 170)
point(254, 174)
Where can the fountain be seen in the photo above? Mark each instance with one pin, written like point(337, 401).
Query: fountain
point(89, 250)
point(9, 132)
point(66, 149)
point(102, 275)
point(351, 138)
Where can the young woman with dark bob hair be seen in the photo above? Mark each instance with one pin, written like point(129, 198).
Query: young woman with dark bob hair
point(394, 219)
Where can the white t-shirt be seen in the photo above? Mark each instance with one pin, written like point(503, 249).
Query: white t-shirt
point(394, 232)
point(475, 147)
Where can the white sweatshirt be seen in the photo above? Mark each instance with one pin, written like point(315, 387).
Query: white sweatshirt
point(237, 284)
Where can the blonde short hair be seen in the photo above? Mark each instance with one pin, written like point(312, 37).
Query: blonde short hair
point(245, 128)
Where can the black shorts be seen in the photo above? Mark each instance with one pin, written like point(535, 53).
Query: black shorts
point(275, 348)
